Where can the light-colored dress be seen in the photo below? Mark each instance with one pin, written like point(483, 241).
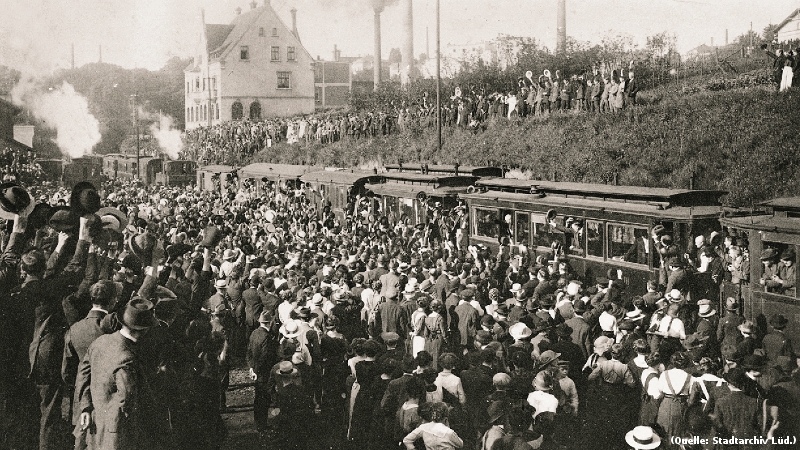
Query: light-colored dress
point(418, 325)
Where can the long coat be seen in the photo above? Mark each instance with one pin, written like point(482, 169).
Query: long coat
point(112, 387)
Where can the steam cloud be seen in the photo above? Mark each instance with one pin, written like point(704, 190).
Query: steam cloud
point(77, 130)
point(169, 138)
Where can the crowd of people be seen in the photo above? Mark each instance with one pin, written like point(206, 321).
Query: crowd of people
point(784, 67)
point(129, 305)
point(235, 141)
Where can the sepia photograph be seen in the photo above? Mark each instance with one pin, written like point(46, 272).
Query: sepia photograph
point(399, 224)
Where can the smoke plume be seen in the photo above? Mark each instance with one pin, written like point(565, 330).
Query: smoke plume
point(169, 138)
point(77, 130)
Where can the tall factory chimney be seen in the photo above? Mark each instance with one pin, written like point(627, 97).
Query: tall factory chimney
point(378, 6)
point(73, 56)
point(726, 36)
point(561, 30)
point(407, 50)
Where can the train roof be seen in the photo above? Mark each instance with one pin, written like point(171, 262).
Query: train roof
point(606, 192)
point(433, 179)
point(341, 176)
point(783, 204)
point(411, 191)
point(274, 171)
point(649, 209)
point(217, 168)
point(480, 171)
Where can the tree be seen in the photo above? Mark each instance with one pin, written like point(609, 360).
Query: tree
point(395, 57)
point(770, 32)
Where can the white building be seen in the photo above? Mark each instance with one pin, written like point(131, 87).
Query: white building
point(789, 29)
point(255, 67)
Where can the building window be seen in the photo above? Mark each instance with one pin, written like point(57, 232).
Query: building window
point(196, 84)
point(275, 32)
point(217, 111)
point(237, 110)
point(187, 87)
point(204, 84)
point(275, 54)
point(255, 110)
point(261, 31)
point(284, 80)
point(244, 52)
point(290, 54)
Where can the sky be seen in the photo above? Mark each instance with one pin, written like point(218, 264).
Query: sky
point(36, 35)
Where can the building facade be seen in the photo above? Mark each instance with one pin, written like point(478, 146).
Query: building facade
point(789, 29)
point(256, 67)
point(332, 83)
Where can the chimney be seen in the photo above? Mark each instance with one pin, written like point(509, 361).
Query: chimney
point(377, 5)
point(294, 23)
point(712, 41)
point(100, 49)
point(253, 4)
point(726, 36)
point(561, 33)
point(73, 56)
point(238, 10)
point(407, 51)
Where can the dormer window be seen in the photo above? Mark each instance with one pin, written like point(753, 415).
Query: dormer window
point(274, 32)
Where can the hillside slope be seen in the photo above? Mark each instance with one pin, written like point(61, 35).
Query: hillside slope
point(744, 141)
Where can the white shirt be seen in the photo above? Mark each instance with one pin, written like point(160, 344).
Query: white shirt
point(672, 327)
point(607, 322)
point(543, 402)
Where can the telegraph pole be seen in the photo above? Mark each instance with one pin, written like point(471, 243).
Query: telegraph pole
point(438, 77)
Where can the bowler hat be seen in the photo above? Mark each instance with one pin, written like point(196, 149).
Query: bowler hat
point(14, 199)
point(139, 314)
point(753, 362)
point(211, 237)
point(84, 199)
point(175, 251)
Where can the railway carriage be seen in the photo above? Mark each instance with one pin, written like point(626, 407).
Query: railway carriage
point(408, 196)
point(443, 169)
point(775, 228)
point(339, 188)
point(617, 222)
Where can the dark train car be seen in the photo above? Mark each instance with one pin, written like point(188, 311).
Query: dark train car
point(443, 169)
point(409, 196)
point(259, 173)
point(88, 168)
point(339, 187)
point(617, 222)
point(52, 169)
point(774, 230)
point(152, 170)
point(117, 166)
point(176, 173)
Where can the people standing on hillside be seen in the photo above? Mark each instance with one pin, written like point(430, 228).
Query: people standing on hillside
point(631, 88)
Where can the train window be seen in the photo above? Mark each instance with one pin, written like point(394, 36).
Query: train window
point(486, 222)
point(595, 238)
point(779, 268)
point(628, 243)
point(407, 209)
point(546, 234)
point(522, 234)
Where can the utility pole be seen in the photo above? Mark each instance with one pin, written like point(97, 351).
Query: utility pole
point(438, 77)
point(136, 130)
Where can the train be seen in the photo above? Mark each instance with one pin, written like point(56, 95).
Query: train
point(614, 225)
point(150, 170)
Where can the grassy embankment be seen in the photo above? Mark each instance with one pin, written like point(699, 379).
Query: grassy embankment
point(742, 140)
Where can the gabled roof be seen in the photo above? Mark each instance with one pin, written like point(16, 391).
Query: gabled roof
point(787, 20)
point(216, 35)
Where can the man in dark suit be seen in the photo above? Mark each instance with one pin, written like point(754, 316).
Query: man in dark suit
point(82, 333)
point(468, 319)
point(477, 383)
point(580, 328)
point(262, 354)
point(115, 396)
point(631, 89)
point(391, 318)
point(395, 394)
